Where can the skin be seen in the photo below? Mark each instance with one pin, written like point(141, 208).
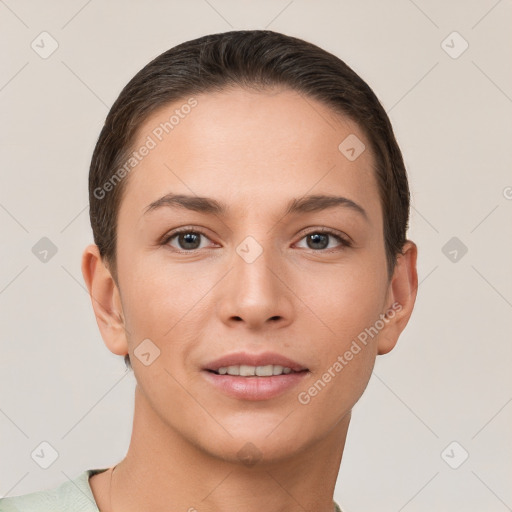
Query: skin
point(254, 151)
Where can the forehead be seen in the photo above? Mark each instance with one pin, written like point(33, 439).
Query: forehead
point(251, 146)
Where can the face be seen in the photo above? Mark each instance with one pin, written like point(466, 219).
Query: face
point(253, 275)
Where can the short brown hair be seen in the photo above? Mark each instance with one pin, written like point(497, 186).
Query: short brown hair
point(255, 59)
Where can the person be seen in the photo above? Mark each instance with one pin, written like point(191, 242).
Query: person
point(249, 205)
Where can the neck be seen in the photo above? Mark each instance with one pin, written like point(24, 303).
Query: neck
point(163, 470)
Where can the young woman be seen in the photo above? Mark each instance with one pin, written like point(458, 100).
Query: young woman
point(249, 205)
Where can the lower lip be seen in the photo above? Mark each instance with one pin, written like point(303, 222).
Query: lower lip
point(254, 388)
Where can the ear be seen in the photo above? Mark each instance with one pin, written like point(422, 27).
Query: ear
point(106, 300)
point(401, 297)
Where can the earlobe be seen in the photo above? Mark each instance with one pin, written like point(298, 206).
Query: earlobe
point(105, 300)
point(401, 297)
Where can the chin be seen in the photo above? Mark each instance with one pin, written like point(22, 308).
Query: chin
point(260, 443)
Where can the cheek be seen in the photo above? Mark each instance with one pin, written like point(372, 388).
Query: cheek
point(346, 310)
point(156, 294)
point(332, 393)
point(165, 304)
point(342, 300)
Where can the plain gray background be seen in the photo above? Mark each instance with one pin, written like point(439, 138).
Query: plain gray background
point(448, 379)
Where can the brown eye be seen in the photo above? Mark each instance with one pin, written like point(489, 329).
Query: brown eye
point(319, 240)
point(187, 240)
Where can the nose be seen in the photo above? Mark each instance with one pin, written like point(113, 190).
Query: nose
point(255, 292)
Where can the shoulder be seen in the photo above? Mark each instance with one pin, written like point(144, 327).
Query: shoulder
point(70, 496)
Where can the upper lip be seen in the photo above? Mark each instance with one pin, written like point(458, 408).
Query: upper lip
point(262, 359)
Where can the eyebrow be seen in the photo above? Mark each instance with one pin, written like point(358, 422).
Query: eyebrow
point(311, 203)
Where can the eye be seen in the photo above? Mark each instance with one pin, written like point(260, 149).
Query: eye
point(187, 239)
point(319, 239)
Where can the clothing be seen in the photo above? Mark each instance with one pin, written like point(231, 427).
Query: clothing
point(70, 496)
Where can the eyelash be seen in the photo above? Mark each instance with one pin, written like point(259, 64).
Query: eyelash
point(344, 242)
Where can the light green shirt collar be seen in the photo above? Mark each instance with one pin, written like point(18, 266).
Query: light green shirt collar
point(72, 496)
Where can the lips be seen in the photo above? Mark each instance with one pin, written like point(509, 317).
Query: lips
point(239, 384)
point(246, 359)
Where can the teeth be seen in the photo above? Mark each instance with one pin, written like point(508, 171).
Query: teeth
point(233, 370)
point(265, 371)
point(245, 370)
point(277, 370)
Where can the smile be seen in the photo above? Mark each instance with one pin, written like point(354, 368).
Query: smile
point(245, 370)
